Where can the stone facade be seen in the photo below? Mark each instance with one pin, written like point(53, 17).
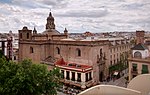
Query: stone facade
point(51, 45)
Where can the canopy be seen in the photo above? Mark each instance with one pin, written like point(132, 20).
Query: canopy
point(116, 73)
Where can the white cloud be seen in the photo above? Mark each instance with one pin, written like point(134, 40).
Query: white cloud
point(76, 15)
point(95, 13)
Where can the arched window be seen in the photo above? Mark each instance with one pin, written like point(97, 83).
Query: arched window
point(14, 57)
point(137, 54)
point(78, 52)
point(27, 35)
point(31, 50)
point(57, 50)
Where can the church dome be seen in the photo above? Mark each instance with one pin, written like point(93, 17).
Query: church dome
point(50, 26)
point(51, 32)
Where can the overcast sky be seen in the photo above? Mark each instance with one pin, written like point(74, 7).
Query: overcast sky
point(76, 15)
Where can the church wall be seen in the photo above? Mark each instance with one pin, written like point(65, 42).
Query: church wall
point(69, 53)
point(48, 50)
point(20, 57)
point(40, 38)
point(88, 56)
point(37, 55)
point(58, 37)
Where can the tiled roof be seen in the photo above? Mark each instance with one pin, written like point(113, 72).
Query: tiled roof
point(61, 62)
point(139, 47)
point(72, 66)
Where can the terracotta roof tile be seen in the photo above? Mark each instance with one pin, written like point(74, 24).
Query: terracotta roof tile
point(72, 66)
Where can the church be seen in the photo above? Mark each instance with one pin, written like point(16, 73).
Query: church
point(83, 63)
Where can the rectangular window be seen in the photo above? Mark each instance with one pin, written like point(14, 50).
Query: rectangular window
point(78, 77)
point(101, 53)
point(111, 63)
point(114, 61)
point(117, 60)
point(14, 57)
point(78, 52)
point(134, 67)
point(62, 72)
point(86, 77)
point(144, 69)
point(90, 75)
point(73, 76)
point(67, 75)
point(31, 50)
point(27, 35)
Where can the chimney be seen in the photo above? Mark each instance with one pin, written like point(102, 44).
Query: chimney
point(140, 36)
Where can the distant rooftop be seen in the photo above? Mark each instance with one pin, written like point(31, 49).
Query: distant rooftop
point(112, 39)
point(93, 39)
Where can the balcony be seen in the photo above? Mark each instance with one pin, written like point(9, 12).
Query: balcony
point(134, 71)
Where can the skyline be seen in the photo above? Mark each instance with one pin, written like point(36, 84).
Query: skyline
point(77, 16)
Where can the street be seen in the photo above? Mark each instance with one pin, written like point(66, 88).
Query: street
point(118, 82)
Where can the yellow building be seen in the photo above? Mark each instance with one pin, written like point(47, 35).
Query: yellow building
point(139, 60)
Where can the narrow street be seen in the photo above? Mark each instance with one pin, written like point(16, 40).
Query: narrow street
point(118, 82)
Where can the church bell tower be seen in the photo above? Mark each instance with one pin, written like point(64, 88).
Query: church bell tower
point(50, 22)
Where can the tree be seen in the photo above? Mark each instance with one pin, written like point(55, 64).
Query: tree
point(1, 54)
point(26, 78)
point(133, 41)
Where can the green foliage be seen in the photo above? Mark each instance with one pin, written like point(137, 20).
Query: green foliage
point(26, 78)
point(1, 54)
point(133, 41)
point(122, 64)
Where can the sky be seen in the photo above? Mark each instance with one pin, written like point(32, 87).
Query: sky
point(78, 16)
